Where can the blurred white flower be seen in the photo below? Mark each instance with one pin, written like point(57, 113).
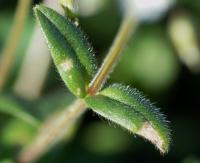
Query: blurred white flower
point(146, 10)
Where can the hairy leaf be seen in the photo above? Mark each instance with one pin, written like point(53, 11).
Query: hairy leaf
point(128, 108)
point(70, 49)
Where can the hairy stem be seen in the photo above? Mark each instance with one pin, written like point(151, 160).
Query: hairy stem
point(8, 54)
point(113, 55)
point(51, 132)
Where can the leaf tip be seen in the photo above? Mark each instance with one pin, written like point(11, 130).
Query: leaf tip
point(149, 133)
point(36, 10)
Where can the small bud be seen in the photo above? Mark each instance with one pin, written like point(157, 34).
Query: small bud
point(71, 6)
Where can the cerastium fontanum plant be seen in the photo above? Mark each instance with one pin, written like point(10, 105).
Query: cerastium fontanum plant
point(76, 63)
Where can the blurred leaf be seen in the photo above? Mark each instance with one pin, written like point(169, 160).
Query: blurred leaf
point(17, 132)
point(8, 106)
point(6, 19)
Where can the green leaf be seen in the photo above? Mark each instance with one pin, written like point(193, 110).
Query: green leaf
point(128, 108)
point(71, 52)
point(10, 107)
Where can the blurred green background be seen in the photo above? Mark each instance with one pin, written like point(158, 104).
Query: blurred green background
point(150, 63)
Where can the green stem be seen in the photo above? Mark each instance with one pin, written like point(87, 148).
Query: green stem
point(126, 29)
point(8, 54)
